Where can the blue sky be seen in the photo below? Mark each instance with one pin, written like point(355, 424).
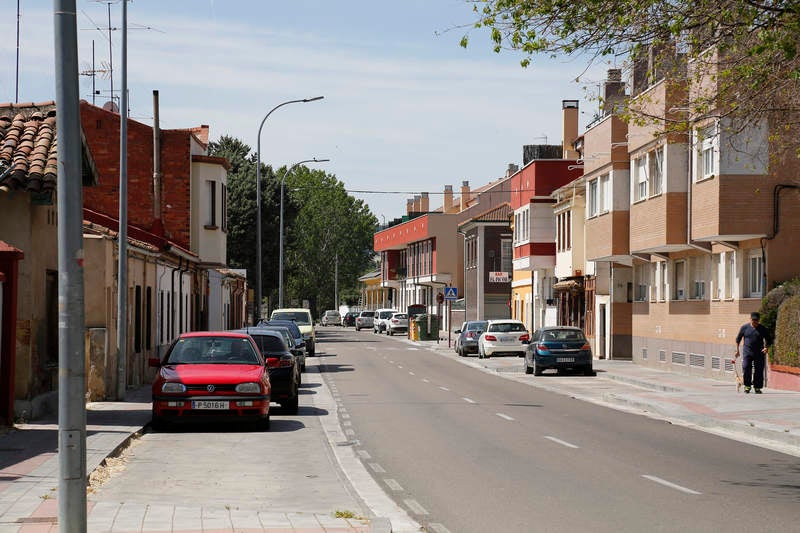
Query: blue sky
point(405, 108)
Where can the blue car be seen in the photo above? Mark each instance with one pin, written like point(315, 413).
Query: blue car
point(562, 348)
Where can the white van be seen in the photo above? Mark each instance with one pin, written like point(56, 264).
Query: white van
point(379, 323)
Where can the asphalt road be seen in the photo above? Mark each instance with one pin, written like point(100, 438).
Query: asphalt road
point(465, 451)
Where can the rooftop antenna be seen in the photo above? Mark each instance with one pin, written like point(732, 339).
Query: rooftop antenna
point(16, 94)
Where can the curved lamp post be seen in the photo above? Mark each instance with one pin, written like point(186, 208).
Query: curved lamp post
point(257, 306)
point(280, 238)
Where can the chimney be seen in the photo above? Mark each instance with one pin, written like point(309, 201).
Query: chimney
point(417, 203)
point(425, 204)
point(569, 109)
point(512, 169)
point(448, 199)
point(157, 224)
point(613, 91)
point(409, 206)
point(464, 194)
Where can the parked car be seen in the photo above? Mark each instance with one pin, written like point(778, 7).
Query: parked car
point(381, 316)
point(503, 337)
point(467, 339)
point(299, 342)
point(397, 323)
point(211, 376)
point(283, 365)
point(365, 320)
point(349, 319)
point(331, 318)
point(301, 317)
point(562, 348)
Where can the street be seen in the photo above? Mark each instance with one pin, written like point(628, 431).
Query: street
point(463, 451)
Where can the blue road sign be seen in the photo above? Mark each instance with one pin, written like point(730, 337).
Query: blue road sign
point(451, 293)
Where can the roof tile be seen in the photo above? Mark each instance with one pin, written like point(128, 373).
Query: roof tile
point(28, 149)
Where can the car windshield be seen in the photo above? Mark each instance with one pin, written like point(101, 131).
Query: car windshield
point(269, 343)
point(368, 313)
point(213, 350)
point(563, 335)
point(506, 327)
point(401, 316)
point(476, 326)
point(291, 326)
point(385, 314)
point(296, 316)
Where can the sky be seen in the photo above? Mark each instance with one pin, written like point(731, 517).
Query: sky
point(405, 110)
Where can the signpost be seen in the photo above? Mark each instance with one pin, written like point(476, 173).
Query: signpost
point(450, 294)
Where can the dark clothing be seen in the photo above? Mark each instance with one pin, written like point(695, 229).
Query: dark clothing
point(753, 359)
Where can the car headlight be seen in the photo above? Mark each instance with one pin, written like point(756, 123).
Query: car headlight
point(173, 387)
point(249, 388)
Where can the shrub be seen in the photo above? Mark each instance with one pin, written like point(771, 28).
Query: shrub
point(787, 333)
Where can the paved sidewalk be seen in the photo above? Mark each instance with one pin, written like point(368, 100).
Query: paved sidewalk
point(770, 420)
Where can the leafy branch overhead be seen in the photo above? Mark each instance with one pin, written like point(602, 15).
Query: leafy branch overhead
point(746, 49)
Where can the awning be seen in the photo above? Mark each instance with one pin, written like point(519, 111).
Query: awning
point(568, 285)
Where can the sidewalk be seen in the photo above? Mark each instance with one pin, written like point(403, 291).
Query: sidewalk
point(29, 475)
point(770, 420)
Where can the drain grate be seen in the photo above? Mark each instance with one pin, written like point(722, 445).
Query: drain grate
point(38, 520)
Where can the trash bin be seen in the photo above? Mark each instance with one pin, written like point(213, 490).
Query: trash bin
point(413, 327)
point(426, 333)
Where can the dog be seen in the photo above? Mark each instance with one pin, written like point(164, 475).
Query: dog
point(739, 380)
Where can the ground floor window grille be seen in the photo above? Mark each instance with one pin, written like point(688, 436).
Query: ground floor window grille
point(678, 358)
point(662, 356)
point(715, 363)
point(644, 354)
point(697, 360)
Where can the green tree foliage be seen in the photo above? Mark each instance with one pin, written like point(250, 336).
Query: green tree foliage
point(749, 48)
point(787, 334)
point(773, 307)
point(321, 222)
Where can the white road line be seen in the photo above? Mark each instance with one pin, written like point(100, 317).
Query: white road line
point(347, 423)
point(391, 361)
point(412, 349)
point(671, 485)
point(469, 400)
point(345, 416)
point(425, 380)
point(378, 469)
point(411, 374)
point(506, 417)
point(399, 366)
point(445, 389)
point(438, 528)
point(394, 485)
point(364, 454)
point(561, 442)
point(349, 432)
point(415, 507)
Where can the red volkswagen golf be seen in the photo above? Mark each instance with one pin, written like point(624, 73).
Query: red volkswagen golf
point(213, 376)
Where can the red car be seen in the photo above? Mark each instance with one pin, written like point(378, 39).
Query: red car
point(211, 376)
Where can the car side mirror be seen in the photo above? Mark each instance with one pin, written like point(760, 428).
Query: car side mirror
point(153, 361)
point(457, 332)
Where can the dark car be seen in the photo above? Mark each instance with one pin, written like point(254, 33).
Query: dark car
point(563, 348)
point(284, 368)
point(299, 343)
point(211, 376)
point(349, 319)
point(468, 335)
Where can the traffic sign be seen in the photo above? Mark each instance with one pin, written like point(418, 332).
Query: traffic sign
point(451, 293)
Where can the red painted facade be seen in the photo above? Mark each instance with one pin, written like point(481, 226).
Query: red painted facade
point(397, 237)
point(540, 178)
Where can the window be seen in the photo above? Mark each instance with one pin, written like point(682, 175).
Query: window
point(592, 198)
point(640, 178)
point(517, 227)
point(506, 256)
point(656, 165)
point(716, 275)
point(730, 273)
point(662, 282)
point(640, 276)
point(655, 273)
point(211, 210)
point(605, 193)
point(755, 274)
point(224, 200)
point(706, 153)
point(137, 319)
point(697, 289)
point(680, 280)
point(148, 319)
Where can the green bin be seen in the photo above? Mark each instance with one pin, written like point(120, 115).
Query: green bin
point(426, 334)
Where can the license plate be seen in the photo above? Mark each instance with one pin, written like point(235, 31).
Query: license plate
point(565, 360)
point(209, 404)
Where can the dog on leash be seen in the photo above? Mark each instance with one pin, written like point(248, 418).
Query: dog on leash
point(739, 380)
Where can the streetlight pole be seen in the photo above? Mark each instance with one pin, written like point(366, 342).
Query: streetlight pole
point(280, 239)
point(257, 306)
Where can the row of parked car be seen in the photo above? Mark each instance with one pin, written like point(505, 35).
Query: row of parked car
point(234, 375)
point(388, 321)
point(558, 347)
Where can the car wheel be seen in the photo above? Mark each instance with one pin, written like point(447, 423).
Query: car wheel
point(292, 406)
point(264, 424)
point(157, 422)
point(528, 368)
point(461, 352)
point(589, 371)
point(537, 370)
point(303, 367)
point(481, 355)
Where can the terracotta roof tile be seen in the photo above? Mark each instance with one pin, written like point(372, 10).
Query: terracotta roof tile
point(28, 148)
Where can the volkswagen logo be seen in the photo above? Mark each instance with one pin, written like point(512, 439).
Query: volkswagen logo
point(210, 388)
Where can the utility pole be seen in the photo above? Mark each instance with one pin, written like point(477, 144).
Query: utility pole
point(71, 323)
point(122, 235)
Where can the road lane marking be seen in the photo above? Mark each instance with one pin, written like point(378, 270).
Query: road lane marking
point(438, 528)
point(349, 432)
point(506, 417)
point(445, 389)
point(413, 349)
point(399, 366)
point(378, 469)
point(561, 442)
point(347, 423)
point(411, 374)
point(425, 380)
point(364, 454)
point(469, 400)
point(394, 485)
point(345, 416)
point(415, 507)
point(671, 485)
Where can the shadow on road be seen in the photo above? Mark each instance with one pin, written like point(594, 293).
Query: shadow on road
point(330, 369)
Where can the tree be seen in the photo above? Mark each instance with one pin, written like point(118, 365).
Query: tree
point(747, 49)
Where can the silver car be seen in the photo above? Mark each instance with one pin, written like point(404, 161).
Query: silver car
point(365, 320)
point(397, 323)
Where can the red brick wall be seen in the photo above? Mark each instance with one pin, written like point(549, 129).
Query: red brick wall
point(102, 134)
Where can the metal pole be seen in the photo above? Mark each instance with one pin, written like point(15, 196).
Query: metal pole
point(16, 93)
point(257, 306)
point(122, 236)
point(280, 234)
point(72, 367)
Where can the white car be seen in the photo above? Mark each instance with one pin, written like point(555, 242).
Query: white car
point(364, 320)
point(397, 323)
point(503, 337)
point(381, 316)
point(331, 318)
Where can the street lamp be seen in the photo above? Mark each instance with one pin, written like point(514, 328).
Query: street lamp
point(257, 310)
point(280, 238)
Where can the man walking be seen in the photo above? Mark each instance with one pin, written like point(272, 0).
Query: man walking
point(756, 343)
